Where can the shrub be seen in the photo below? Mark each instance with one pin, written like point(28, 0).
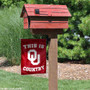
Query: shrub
point(85, 25)
point(70, 47)
point(85, 28)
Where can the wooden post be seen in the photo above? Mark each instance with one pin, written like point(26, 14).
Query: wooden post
point(53, 80)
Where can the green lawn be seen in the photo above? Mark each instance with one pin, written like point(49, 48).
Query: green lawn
point(11, 80)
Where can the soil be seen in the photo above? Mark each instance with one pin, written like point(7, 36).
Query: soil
point(65, 70)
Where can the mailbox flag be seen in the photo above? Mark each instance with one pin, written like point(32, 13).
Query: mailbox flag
point(33, 56)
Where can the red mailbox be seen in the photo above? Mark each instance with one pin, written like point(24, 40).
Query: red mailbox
point(45, 19)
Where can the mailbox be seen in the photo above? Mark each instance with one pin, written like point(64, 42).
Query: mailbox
point(45, 19)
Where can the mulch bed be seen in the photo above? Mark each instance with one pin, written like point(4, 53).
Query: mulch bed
point(65, 71)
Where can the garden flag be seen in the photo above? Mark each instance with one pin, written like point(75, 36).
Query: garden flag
point(33, 56)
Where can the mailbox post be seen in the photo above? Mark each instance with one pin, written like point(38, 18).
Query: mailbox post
point(47, 20)
point(53, 79)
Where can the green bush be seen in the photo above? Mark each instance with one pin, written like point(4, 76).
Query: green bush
point(70, 47)
point(85, 28)
point(11, 31)
point(12, 3)
point(85, 25)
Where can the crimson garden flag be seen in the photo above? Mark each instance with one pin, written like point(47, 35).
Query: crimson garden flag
point(33, 56)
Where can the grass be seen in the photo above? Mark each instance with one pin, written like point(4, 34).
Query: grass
point(12, 80)
point(11, 31)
